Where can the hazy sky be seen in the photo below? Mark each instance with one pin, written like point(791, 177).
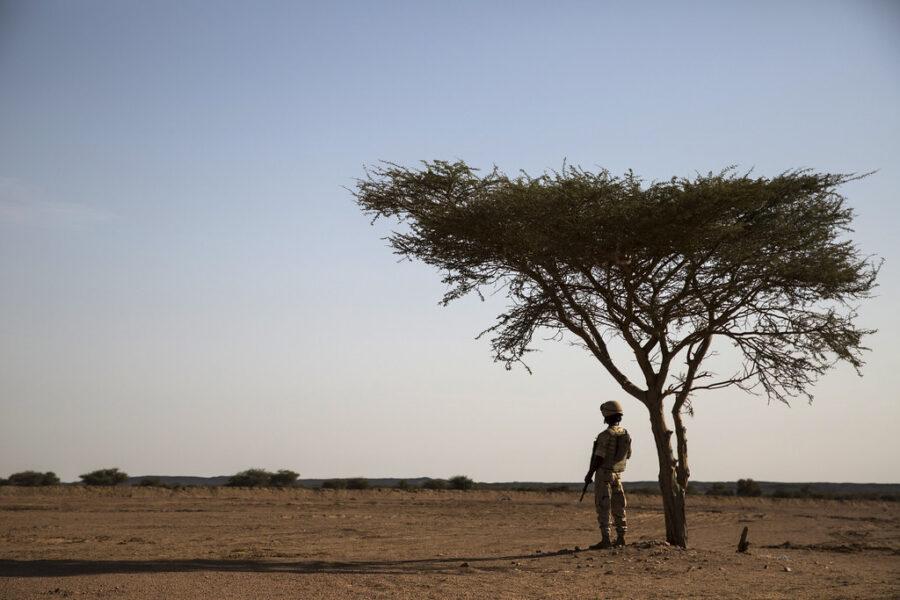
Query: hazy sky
point(186, 286)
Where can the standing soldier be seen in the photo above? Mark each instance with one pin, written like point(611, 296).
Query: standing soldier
point(612, 449)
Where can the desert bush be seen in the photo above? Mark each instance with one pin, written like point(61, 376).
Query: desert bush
point(435, 484)
point(403, 485)
point(334, 484)
point(644, 491)
point(250, 478)
point(720, 489)
point(110, 477)
point(4, 481)
point(748, 487)
point(358, 483)
point(150, 482)
point(33, 478)
point(283, 478)
point(460, 482)
point(557, 488)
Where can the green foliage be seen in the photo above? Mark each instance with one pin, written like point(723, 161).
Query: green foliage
point(357, 483)
point(283, 478)
point(720, 489)
point(552, 489)
point(33, 478)
point(748, 487)
point(151, 482)
point(354, 483)
point(250, 478)
point(104, 477)
point(434, 484)
point(334, 484)
point(762, 263)
point(643, 491)
point(460, 482)
point(263, 478)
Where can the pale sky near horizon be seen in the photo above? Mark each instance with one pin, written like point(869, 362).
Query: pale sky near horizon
point(186, 286)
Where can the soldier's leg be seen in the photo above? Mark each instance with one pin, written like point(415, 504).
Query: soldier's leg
point(602, 501)
point(618, 504)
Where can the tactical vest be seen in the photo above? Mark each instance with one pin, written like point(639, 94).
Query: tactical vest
point(614, 445)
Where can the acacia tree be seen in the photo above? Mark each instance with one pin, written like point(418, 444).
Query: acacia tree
point(667, 267)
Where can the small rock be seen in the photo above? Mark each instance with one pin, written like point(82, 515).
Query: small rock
point(539, 551)
point(787, 569)
point(577, 549)
point(465, 564)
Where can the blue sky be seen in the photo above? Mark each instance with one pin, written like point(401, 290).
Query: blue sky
point(187, 287)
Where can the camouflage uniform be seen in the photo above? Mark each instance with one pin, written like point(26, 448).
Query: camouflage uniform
point(608, 492)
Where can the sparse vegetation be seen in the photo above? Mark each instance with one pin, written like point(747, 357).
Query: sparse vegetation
point(250, 478)
point(32, 478)
point(104, 477)
point(435, 484)
point(151, 482)
point(748, 487)
point(643, 490)
point(334, 484)
point(460, 482)
point(719, 489)
point(283, 478)
point(358, 483)
point(557, 488)
point(403, 485)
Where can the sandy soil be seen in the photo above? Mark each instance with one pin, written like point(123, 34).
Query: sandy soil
point(227, 543)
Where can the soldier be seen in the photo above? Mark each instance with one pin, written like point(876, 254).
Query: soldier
point(612, 449)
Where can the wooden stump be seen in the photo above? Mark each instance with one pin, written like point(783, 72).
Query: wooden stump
point(744, 544)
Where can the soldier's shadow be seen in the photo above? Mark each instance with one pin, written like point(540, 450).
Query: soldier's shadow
point(447, 565)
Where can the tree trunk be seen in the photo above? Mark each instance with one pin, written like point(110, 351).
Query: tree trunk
point(672, 491)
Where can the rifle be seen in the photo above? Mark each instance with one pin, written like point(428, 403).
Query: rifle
point(587, 483)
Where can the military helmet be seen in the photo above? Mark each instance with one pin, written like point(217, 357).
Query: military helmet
point(611, 408)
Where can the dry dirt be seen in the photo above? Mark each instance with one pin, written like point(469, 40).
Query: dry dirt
point(213, 543)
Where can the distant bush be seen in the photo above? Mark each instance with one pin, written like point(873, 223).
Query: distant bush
point(250, 478)
point(403, 485)
point(33, 478)
point(104, 477)
point(435, 484)
point(460, 482)
point(557, 488)
point(720, 489)
point(4, 481)
point(644, 491)
point(358, 483)
point(283, 478)
point(151, 482)
point(748, 487)
point(334, 484)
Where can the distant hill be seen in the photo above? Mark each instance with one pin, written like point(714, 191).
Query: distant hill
point(696, 487)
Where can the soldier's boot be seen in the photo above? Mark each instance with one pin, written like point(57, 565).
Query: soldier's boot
point(604, 543)
point(620, 539)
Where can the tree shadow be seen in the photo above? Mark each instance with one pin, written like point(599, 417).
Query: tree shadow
point(67, 568)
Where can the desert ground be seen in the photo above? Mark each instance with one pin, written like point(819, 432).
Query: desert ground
point(136, 543)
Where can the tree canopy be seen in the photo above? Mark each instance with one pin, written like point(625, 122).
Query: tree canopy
point(666, 266)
